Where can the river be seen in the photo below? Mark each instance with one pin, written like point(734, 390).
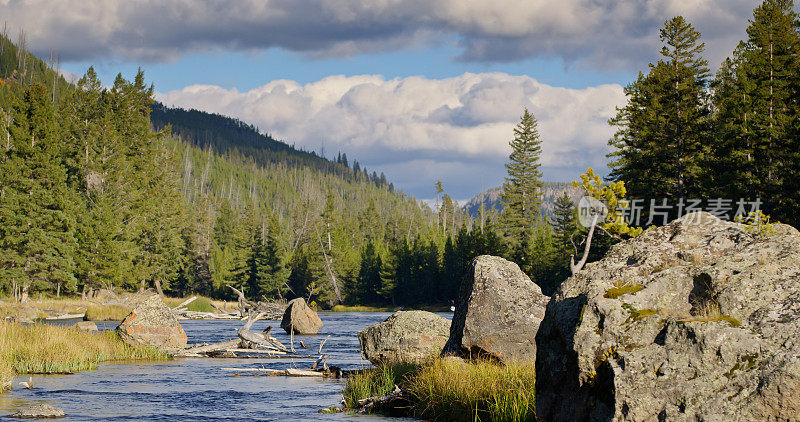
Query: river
point(190, 389)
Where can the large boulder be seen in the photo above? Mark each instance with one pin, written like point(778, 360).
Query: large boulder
point(498, 312)
point(299, 316)
point(152, 323)
point(406, 336)
point(696, 320)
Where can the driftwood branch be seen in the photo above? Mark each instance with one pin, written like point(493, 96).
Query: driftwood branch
point(215, 347)
point(260, 339)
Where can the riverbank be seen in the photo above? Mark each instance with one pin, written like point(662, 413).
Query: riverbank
point(96, 310)
point(367, 308)
point(38, 349)
point(451, 389)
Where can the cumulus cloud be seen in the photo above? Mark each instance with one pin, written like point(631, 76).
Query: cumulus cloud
point(601, 34)
point(418, 130)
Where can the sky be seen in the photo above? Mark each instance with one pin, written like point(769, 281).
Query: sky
point(421, 90)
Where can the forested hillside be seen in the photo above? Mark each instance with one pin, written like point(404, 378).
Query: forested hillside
point(102, 187)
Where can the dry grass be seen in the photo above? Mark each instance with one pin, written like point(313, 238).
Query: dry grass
point(6, 375)
point(451, 390)
point(53, 349)
point(710, 311)
point(363, 308)
point(50, 307)
point(448, 389)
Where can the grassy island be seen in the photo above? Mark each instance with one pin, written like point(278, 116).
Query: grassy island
point(39, 349)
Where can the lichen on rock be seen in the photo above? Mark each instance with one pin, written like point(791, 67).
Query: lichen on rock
point(709, 335)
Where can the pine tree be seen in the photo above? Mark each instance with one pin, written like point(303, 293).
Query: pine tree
point(37, 208)
point(266, 274)
point(521, 196)
point(771, 67)
point(564, 224)
point(369, 275)
point(663, 129)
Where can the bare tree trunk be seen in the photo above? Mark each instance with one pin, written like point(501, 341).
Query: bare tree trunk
point(24, 296)
point(575, 268)
point(158, 288)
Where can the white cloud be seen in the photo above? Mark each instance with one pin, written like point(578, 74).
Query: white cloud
point(600, 34)
point(418, 130)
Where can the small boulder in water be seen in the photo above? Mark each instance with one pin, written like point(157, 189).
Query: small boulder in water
point(39, 411)
point(300, 318)
point(86, 326)
point(406, 336)
point(152, 323)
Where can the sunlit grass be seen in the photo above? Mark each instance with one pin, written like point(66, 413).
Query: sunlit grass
point(51, 307)
point(363, 308)
point(378, 381)
point(201, 304)
point(96, 312)
point(450, 389)
point(53, 349)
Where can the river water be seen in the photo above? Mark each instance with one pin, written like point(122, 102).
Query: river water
point(189, 389)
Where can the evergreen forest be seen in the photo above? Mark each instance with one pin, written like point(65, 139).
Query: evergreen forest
point(102, 187)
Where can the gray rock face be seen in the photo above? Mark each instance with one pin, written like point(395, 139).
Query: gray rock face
point(299, 316)
point(498, 312)
point(39, 411)
point(406, 336)
point(696, 320)
point(152, 323)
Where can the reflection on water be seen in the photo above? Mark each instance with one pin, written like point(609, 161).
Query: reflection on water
point(197, 388)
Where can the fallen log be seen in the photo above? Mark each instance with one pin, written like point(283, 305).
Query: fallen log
point(207, 348)
point(303, 373)
point(290, 372)
point(273, 311)
point(261, 339)
point(184, 303)
point(395, 403)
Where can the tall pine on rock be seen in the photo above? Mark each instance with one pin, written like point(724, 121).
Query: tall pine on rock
point(522, 188)
point(663, 129)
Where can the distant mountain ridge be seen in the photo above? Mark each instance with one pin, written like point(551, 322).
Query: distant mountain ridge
point(491, 198)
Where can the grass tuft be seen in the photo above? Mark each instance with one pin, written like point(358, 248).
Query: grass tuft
point(378, 381)
point(616, 292)
point(451, 389)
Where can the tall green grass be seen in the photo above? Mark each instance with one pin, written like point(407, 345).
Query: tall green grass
point(379, 381)
point(453, 390)
point(53, 349)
